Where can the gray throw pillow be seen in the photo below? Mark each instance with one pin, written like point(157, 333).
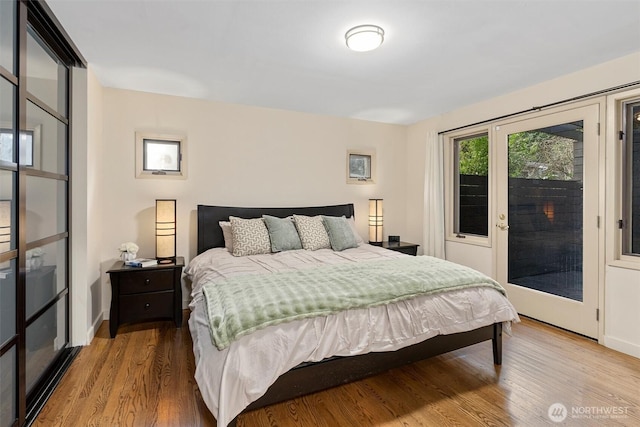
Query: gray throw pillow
point(283, 233)
point(340, 233)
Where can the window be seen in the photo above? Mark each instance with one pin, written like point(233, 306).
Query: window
point(160, 156)
point(631, 179)
point(361, 167)
point(29, 154)
point(471, 185)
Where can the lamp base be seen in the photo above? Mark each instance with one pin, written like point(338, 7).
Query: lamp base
point(376, 243)
point(166, 261)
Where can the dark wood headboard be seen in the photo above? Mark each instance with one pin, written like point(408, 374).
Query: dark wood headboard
point(210, 233)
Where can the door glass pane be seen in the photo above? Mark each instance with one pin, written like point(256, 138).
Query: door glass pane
point(7, 120)
point(472, 175)
point(46, 76)
point(8, 283)
point(8, 388)
point(7, 34)
point(46, 274)
point(46, 337)
point(44, 145)
point(7, 211)
point(545, 209)
point(631, 199)
point(46, 207)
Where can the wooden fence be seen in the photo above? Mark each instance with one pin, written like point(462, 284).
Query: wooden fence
point(545, 222)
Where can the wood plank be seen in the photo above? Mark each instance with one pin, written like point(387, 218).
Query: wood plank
point(144, 377)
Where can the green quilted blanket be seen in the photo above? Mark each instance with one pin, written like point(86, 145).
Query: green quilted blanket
point(240, 305)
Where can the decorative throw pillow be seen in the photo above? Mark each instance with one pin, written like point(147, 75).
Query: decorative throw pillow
point(283, 233)
point(352, 223)
point(250, 236)
point(340, 233)
point(312, 233)
point(227, 235)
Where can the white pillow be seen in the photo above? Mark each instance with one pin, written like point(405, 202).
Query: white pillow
point(312, 233)
point(228, 236)
point(250, 236)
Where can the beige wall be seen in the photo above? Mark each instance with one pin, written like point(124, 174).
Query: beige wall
point(87, 205)
point(95, 202)
point(242, 155)
point(236, 155)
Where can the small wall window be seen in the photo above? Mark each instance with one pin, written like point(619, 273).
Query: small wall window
point(631, 179)
point(361, 167)
point(471, 175)
point(160, 156)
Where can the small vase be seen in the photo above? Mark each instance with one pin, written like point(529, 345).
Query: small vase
point(127, 256)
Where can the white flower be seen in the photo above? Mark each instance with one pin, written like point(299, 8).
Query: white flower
point(129, 247)
point(35, 252)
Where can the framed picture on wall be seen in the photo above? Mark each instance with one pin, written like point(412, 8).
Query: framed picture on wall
point(361, 166)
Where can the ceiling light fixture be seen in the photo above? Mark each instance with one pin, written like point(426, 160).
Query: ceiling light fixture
point(364, 38)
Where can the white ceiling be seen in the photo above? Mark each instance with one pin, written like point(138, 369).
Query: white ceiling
point(437, 55)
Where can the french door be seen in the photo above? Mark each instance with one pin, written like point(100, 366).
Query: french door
point(546, 220)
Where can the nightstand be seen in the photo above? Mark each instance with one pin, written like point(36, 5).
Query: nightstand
point(147, 293)
point(404, 247)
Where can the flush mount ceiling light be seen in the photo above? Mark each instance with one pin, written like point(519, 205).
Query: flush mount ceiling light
point(364, 37)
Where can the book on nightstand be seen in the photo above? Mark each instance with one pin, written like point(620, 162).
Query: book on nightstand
point(141, 262)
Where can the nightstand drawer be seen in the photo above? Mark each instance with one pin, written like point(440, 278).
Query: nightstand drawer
point(146, 306)
point(136, 282)
point(409, 250)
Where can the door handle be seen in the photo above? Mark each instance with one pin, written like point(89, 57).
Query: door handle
point(503, 227)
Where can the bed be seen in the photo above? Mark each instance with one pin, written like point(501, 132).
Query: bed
point(281, 361)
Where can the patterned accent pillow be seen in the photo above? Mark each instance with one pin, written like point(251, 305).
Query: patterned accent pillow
point(340, 233)
point(250, 236)
point(312, 233)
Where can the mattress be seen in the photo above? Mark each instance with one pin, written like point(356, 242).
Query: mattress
point(230, 379)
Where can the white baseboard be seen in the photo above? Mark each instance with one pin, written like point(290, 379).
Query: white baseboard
point(92, 330)
point(622, 346)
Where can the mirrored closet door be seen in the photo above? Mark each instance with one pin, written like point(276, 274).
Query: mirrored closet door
point(35, 79)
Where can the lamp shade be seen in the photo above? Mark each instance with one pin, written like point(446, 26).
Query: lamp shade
point(165, 230)
point(375, 221)
point(5, 225)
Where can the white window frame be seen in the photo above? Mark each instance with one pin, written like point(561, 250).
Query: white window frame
point(627, 210)
point(616, 174)
point(371, 154)
point(181, 173)
point(451, 192)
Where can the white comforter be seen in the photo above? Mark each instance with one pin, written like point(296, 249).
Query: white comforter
point(231, 379)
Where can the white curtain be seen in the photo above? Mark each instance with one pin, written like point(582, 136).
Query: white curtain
point(434, 196)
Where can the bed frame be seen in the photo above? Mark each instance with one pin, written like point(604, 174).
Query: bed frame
point(312, 377)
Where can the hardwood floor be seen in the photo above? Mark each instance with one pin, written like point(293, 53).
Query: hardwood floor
point(144, 377)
